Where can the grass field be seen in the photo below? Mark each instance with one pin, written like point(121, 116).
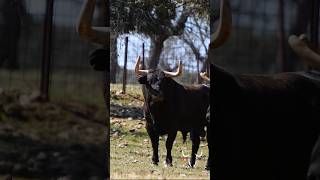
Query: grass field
point(131, 150)
point(83, 87)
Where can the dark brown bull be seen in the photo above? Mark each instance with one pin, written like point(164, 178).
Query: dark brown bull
point(170, 107)
point(262, 126)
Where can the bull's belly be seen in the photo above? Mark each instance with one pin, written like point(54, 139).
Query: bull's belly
point(163, 129)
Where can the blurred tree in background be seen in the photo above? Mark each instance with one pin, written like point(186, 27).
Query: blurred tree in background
point(158, 20)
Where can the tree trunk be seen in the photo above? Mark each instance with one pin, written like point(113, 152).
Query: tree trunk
point(281, 38)
point(114, 59)
point(10, 33)
point(155, 51)
point(198, 72)
point(298, 27)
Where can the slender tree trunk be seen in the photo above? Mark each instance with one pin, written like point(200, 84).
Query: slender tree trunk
point(281, 38)
point(155, 51)
point(114, 59)
point(198, 72)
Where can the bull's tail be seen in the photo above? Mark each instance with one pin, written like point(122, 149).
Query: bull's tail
point(184, 136)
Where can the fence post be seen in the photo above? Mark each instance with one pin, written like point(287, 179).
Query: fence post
point(143, 67)
point(314, 23)
point(46, 51)
point(124, 81)
point(281, 37)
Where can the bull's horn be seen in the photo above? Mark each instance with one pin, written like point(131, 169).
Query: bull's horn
point(184, 154)
point(225, 25)
point(204, 76)
point(137, 69)
point(100, 35)
point(301, 48)
point(174, 74)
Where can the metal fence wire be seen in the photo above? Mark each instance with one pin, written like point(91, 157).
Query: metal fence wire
point(254, 45)
point(72, 78)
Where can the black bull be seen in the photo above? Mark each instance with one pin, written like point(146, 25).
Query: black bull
point(170, 107)
point(264, 126)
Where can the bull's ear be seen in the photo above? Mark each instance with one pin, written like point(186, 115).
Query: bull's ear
point(222, 80)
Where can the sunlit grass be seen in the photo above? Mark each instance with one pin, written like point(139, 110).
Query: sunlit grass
point(131, 152)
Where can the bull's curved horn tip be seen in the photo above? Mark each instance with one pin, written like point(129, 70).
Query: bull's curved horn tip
point(204, 76)
point(137, 69)
point(224, 28)
point(177, 73)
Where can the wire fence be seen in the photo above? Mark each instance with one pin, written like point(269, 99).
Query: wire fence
point(252, 48)
point(72, 78)
point(254, 45)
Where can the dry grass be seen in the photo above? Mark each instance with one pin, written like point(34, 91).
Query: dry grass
point(131, 151)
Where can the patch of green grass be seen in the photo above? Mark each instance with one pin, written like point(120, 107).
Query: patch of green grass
point(132, 98)
point(131, 152)
point(83, 87)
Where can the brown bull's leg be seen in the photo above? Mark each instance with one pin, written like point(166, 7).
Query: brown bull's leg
point(195, 138)
point(209, 161)
point(169, 144)
point(155, 144)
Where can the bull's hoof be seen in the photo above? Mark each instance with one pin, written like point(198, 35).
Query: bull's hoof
point(188, 166)
point(155, 160)
point(168, 163)
point(191, 163)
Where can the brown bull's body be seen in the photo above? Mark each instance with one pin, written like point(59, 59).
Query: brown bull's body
point(170, 107)
point(263, 126)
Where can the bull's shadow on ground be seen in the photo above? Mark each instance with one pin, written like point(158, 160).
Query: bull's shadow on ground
point(29, 158)
point(49, 140)
point(127, 105)
point(122, 111)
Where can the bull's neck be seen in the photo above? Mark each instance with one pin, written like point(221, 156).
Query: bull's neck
point(172, 86)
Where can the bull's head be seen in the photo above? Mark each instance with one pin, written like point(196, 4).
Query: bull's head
point(155, 80)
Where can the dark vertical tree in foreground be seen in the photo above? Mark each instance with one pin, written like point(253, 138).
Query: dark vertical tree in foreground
point(12, 12)
point(281, 38)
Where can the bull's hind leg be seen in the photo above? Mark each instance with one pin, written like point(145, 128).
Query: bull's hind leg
point(169, 144)
point(195, 138)
point(209, 139)
point(155, 144)
point(209, 161)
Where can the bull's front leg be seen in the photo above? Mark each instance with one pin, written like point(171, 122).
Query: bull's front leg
point(195, 138)
point(154, 137)
point(169, 144)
